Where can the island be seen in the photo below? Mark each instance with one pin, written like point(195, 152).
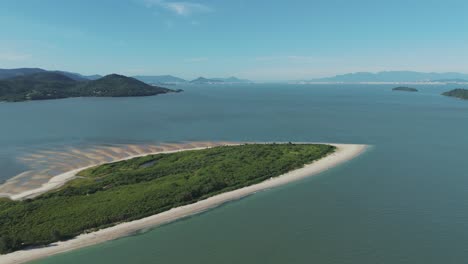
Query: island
point(54, 85)
point(457, 93)
point(203, 80)
point(230, 80)
point(115, 199)
point(405, 89)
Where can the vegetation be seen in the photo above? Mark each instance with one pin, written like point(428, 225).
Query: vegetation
point(123, 191)
point(53, 85)
point(405, 89)
point(458, 93)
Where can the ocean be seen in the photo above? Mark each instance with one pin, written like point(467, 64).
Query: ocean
point(403, 201)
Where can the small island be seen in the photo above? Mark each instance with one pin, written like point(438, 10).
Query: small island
point(203, 80)
point(54, 85)
point(457, 93)
point(98, 200)
point(405, 89)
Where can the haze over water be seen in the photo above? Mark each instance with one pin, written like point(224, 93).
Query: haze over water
point(404, 201)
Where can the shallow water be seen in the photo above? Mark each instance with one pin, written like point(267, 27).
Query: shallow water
point(404, 201)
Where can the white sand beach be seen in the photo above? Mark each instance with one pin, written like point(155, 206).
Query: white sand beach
point(344, 153)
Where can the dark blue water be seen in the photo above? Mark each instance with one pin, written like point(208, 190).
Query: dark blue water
point(404, 201)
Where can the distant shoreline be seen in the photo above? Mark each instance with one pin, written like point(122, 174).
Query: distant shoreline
point(377, 83)
point(343, 153)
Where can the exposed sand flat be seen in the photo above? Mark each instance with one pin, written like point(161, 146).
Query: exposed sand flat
point(40, 182)
point(344, 152)
point(45, 164)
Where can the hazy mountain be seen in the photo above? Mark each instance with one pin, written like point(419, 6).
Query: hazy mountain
point(451, 80)
point(92, 77)
point(392, 76)
point(159, 79)
point(10, 73)
point(232, 80)
point(203, 80)
point(72, 75)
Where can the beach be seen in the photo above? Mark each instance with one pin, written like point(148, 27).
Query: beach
point(31, 183)
point(343, 153)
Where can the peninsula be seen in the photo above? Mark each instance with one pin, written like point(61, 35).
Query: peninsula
point(54, 85)
point(141, 192)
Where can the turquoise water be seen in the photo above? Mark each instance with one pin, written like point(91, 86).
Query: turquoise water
point(404, 201)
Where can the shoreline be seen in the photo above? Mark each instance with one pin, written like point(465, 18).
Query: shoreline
point(61, 179)
point(343, 153)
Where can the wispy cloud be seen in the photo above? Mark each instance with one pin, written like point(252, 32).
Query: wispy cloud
point(14, 56)
point(180, 8)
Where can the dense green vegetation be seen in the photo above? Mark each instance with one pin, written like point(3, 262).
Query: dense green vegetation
point(458, 93)
point(405, 89)
point(53, 85)
point(140, 187)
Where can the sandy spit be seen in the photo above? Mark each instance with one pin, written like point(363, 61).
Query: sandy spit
point(344, 153)
point(59, 180)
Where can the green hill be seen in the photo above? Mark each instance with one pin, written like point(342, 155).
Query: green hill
point(37, 86)
point(53, 85)
point(115, 85)
point(458, 93)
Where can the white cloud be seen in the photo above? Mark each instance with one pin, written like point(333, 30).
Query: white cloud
point(180, 8)
point(14, 56)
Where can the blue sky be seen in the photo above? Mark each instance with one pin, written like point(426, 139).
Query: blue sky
point(260, 40)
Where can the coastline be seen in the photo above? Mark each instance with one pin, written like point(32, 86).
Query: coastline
point(61, 179)
point(343, 153)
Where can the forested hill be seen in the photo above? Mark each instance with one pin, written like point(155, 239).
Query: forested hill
point(115, 85)
point(53, 85)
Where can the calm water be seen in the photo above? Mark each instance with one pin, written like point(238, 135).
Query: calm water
point(404, 201)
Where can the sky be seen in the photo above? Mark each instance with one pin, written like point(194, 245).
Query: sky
point(254, 39)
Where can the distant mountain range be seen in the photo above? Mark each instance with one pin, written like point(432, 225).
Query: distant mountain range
point(203, 80)
point(395, 76)
point(169, 79)
point(159, 79)
point(452, 80)
point(230, 80)
point(233, 80)
point(9, 73)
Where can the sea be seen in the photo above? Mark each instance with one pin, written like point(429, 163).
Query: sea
point(405, 200)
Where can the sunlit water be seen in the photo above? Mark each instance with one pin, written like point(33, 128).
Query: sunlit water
point(404, 201)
